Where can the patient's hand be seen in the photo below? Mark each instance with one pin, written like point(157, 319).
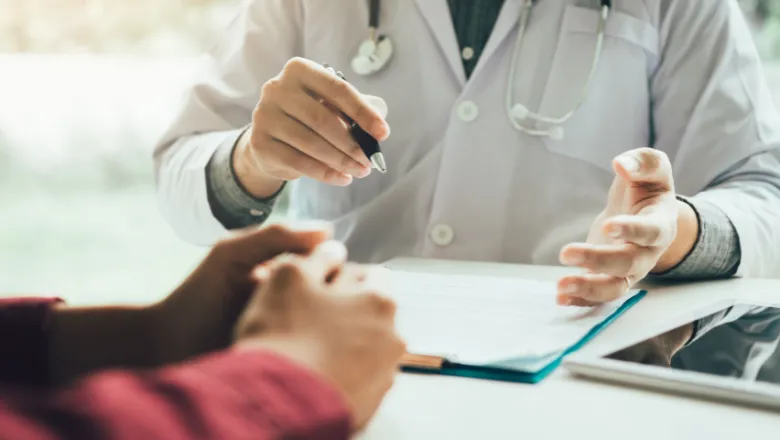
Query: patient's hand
point(200, 315)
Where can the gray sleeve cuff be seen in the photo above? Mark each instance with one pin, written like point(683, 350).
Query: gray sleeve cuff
point(230, 203)
point(716, 253)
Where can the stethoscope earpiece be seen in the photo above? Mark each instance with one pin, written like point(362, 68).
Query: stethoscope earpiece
point(520, 112)
point(556, 133)
point(372, 56)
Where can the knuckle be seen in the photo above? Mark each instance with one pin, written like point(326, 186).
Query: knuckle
point(271, 87)
point(288, 271)
point(380, 304)
point(320, 117)
point(276, 231)
point(306, 166)
point(325, 173)
point(362, 113)
point(339, 87)
point(295, 66)
point(223, 247)
point(345, 163)
point(598, 259)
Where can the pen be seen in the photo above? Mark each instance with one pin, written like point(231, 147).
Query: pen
point(368, 144)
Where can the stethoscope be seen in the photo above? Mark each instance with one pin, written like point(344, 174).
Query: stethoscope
point(375, 53)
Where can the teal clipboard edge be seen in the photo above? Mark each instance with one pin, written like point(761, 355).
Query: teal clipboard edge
point(506, 375)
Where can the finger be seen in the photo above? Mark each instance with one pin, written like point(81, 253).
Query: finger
point(645, 167)
point(304, 139)
point(341, 94)
point(641, 230)
point(302, 164)
point(254, 247)
point(322, 120)
point(611, 259)
point(326, 259)
point(591, 289)
point(349, 278)
point(286, 283)
point(377, 304)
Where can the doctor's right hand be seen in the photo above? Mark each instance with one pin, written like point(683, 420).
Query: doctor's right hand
point(298, 130)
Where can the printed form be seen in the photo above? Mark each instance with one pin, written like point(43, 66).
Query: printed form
point(482, 320)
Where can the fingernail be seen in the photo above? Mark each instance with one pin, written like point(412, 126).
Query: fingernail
point(332, 249)
point(342, 180)
point(570, 289)
point(380, 130)
point(615, 231)
point(629, 163)
point(260, 273)
point(573, 259)
point(362, 172)
point(564, 300)
point(310, 226)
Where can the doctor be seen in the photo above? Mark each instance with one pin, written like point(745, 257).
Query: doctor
point(516, 128)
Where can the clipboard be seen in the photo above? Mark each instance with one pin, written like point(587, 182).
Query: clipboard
point(437, 365)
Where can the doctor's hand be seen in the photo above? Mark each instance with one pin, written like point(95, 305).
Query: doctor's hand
point(643, 229)
point(298, 130)
point(332, 318)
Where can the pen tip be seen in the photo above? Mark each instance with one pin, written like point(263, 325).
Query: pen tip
point(378, 160)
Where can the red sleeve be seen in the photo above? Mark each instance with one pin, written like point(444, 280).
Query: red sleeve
point(24, 348)
point(231, 395)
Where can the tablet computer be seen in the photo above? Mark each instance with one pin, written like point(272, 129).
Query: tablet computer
point(728, 356)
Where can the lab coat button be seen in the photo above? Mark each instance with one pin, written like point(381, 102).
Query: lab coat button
point(442, 234)
point(467, 53)
point(468, 111)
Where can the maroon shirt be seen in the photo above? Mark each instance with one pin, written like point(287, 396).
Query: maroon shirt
point(230, 395)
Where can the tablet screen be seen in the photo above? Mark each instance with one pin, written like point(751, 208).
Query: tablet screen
point(737, 342)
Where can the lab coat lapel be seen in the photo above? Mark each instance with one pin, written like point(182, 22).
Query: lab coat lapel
point(437, 15)
point(507, 21)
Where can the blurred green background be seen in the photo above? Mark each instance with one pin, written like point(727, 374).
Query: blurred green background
point(87, 87)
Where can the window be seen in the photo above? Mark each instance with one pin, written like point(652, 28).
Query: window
point(88, 85)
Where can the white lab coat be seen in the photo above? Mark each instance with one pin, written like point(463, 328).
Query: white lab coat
point(682, 76)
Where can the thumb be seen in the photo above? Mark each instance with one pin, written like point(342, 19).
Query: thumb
point(258, 246)
point(645, 168)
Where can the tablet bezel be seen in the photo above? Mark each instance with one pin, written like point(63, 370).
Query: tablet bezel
point(597, 366)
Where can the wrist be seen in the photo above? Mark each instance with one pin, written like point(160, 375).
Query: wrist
point(85, 340)
point(684, 241)
point(250, 176)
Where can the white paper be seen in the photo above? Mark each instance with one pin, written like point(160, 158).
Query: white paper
point(480, 320)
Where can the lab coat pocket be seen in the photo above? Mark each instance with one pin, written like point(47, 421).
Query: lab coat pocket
point(615, 114)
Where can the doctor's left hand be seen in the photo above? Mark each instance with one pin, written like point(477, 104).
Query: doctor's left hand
point(637, 233)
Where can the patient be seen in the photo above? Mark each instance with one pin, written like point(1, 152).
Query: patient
point(273, 336)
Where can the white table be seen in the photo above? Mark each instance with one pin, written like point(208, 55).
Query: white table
point(437, 407)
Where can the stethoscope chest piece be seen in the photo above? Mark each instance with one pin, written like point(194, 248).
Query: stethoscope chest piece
point(373, 56)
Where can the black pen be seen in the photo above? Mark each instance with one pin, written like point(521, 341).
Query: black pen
point(368, 144)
